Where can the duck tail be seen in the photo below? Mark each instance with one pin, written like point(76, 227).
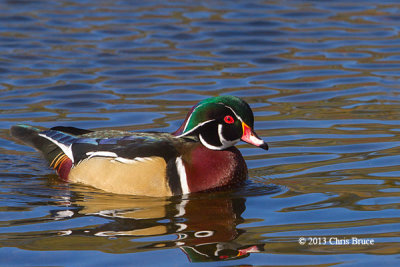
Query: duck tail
point(54, 155)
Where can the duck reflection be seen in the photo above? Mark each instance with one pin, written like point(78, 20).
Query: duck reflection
point(204, 224)
point(210, 231)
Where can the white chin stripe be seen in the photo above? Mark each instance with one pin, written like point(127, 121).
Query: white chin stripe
point(182, 175)
point(207, 145)
point(225, 143)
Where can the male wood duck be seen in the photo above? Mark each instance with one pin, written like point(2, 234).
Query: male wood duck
point(199, 156)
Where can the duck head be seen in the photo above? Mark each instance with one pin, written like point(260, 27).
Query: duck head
point(220, 122)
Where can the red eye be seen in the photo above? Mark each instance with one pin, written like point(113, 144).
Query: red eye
point(228, 119)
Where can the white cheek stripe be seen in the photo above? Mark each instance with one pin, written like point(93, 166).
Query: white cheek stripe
point(182, 175)
point(194, 128)
point(187, 122)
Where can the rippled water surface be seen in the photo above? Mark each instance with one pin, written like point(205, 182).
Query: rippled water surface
point(321, 76)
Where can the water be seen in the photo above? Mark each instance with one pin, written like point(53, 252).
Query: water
point(321, 76)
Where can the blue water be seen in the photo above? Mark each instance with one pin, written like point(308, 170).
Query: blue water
point(322, 78)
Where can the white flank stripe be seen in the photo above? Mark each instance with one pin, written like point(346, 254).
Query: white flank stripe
point(101, 154)
point(145, 159)
point(66, 149)
point(132, 161)
point(182, 175)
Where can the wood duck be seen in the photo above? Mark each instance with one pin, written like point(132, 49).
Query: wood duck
point(199, 156)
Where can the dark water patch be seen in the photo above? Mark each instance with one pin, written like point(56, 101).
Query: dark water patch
point(125, 72)
point(78, 106)
point(75, 76)
point(16, 19)
point(188, 73)
point(69, 87)
point(130, 82)
point(270, 60)
point(248, 92)
point(238, 53)
point(323, 123)
point(29, 82)
point(248, 34)
point(23, 57)
point(4, 71)
point(184, 37)
point(115, 32)
point(142, 92)
point(298, 85)
point(206, 46)
point(263, 23)
point(182, 96)
point(260, 43)
point(316, 96)
point(338, 149)
point(146, 51)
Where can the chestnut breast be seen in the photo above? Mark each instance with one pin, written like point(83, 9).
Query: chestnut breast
point(207, 169)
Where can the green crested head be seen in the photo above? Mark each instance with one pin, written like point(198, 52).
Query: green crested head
point(220, 122)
